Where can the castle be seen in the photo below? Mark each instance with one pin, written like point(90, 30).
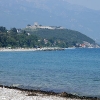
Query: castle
point(36, 25)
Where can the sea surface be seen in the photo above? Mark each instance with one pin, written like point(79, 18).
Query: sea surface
point(72, 70)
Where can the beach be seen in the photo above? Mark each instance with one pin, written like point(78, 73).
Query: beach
point(16, 94)
point(11, 94)
point(32, 49)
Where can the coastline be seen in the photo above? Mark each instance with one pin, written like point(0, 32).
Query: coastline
point(35, 49)
point(32, 49)
point(15, 93)
point(41, 95)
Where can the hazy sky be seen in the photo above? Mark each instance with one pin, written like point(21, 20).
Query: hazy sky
point(93, 4)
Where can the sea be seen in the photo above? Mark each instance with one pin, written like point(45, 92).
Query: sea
point(75, 71)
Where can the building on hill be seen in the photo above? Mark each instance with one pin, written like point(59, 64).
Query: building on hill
point(36, 25)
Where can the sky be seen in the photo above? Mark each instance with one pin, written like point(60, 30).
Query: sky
point(92, 4)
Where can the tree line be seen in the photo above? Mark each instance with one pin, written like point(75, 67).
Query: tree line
point(39, 38)
point(12, 38)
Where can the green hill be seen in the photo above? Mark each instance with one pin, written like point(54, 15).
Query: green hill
point(43, 38)
point(66, 37)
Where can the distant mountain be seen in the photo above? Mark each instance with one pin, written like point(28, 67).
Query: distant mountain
point(19, 13)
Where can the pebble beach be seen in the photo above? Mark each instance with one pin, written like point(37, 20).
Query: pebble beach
point(12, 94)
point(15, 93)
point(31, 49)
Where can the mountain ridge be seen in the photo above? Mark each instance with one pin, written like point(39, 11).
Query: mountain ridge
point(19, 13)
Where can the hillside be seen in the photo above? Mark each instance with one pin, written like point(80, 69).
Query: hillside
point(66, 37)
point(18, 13)
point(33, 38)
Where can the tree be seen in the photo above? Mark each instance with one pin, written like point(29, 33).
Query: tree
point(14, 30)
point(28, 25)
point(3, 29)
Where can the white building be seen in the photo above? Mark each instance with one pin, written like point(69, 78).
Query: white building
point(36, 25)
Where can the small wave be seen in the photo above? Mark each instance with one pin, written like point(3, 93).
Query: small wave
point(96, 80)
point(1, 71)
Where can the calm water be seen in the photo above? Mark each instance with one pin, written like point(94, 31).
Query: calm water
point(72, 70)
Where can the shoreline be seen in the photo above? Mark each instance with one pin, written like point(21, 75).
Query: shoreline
point(35, 49)
point(32, 49)
point(47, 95)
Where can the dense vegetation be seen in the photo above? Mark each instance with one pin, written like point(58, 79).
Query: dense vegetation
point(62, 37)
point(40, 38)
point(14, 39)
